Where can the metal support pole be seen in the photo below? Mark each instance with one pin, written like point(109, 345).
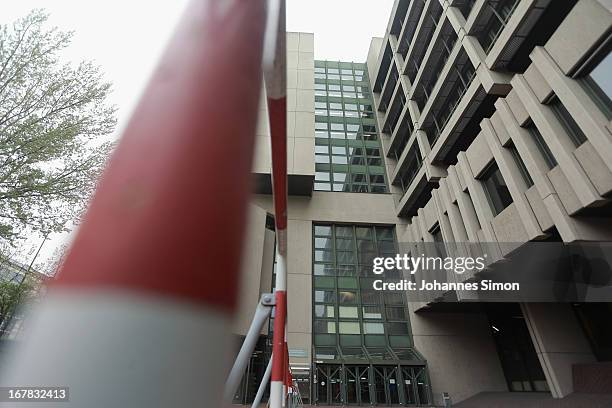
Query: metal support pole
point(274, 64)
point(262, 386)
point(262, 312)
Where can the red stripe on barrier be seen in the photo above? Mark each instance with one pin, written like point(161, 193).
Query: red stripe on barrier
point(287, 371)
point(289, 379)
point(278, 339)
point(169, 214)
point(277, 110)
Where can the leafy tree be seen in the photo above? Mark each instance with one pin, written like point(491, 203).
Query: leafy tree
point(54, 122)
point(11, 295)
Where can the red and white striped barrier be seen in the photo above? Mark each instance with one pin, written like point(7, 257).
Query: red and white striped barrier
point(140, 313)
point(275, 65)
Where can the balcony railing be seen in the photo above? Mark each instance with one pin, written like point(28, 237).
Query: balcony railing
point(500, 11)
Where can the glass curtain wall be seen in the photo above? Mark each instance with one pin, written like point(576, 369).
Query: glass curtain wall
point(348, 153)
point(363, 350)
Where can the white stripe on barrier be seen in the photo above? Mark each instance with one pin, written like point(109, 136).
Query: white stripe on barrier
point(274, 54)
point(276, 394)
point(281, 271)
point(113, 348)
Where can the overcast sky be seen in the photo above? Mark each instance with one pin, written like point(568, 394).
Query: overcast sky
point(125, 37)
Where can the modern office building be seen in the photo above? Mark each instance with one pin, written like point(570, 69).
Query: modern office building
point(469, 122)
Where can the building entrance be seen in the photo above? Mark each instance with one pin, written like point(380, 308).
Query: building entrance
point(328, 379)
point(382, 385)
point(517, 355)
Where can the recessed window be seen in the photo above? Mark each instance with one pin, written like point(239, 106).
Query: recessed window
point(599, 85)
point(521, 165)
point(542, 146)
point(496, 189)
point(439, 241)
point(569, 124)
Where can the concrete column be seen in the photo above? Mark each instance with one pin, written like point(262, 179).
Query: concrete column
point(559, 143)
point(299, 289)
point(514, 181)
point(466, 208)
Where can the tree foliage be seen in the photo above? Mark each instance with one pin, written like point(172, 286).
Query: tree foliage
point(11, 295)
point(54, 126)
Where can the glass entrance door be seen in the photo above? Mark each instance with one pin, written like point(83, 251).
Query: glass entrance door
point(329, 385)
point(380, 392)
point(352, 385)
point(386, 385)
point(357, 385)
point(322, 385)
point(392, 385)
point(414, 386)
point(335, 385)
point(365, 385)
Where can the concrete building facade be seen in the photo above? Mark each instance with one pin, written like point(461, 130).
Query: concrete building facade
point(471, 121)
